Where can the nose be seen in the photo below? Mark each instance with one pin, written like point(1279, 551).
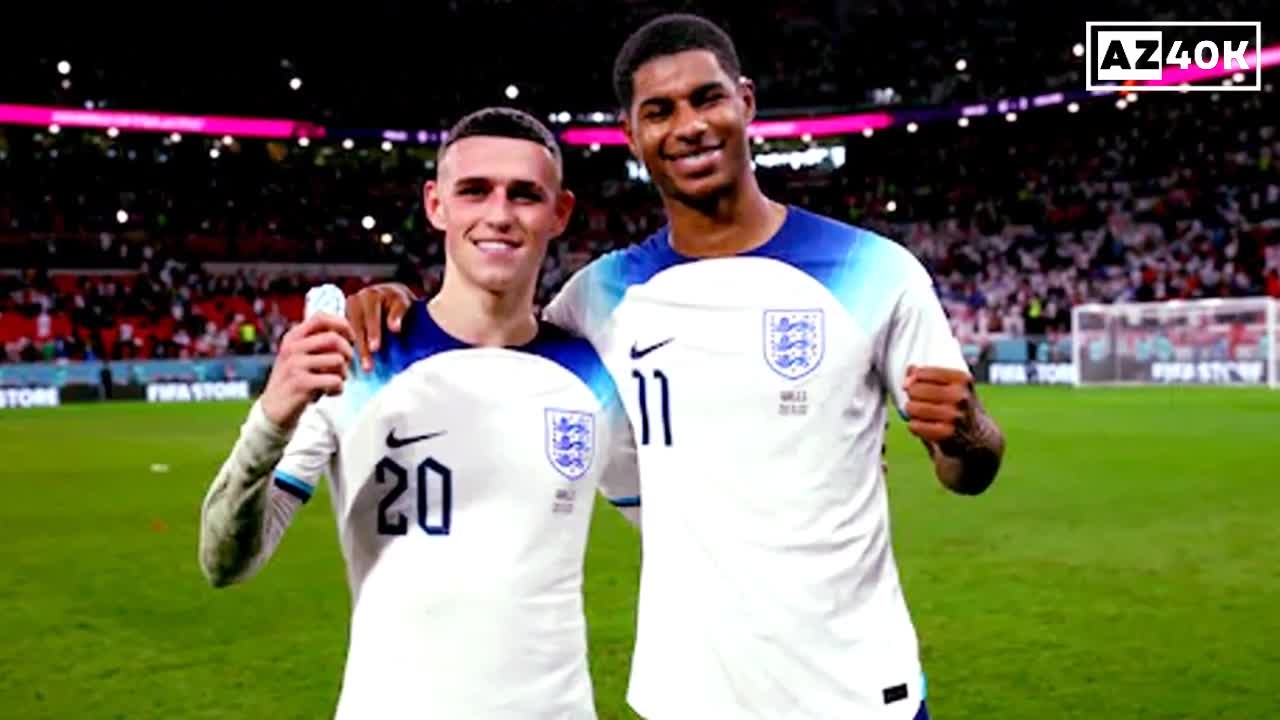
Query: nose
point(690, 125)
point(498, 213)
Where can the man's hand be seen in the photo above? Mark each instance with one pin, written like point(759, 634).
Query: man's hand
point(365, 310)
point(313, 360)
point(943, 411)
point(939, 403)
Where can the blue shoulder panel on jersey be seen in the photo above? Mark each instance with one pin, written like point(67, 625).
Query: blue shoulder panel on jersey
point(420, 338)
point(613, 273)
point(575, 355)
point(861, 269)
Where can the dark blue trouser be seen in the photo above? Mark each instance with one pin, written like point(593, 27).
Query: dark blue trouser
point(922, 713)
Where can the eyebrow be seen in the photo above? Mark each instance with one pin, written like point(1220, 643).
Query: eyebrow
point(524, 185)
point(699, 90)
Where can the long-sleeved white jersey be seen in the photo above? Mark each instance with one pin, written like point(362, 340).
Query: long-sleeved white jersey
point(756, 389)
point(463, 481)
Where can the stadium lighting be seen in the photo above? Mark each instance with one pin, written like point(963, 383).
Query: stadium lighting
point(304, 141)
point(868, 132)
point(962, 65)
point(88, 105)
point(295, 84)
point(348, 144)
point(1226, 82)
point(891, 206)
point(595, 147)
point(963, 122)
point(1073, 107)
point(565, 116)
point(757, 140)
point(597, 116)
point(1121, 104)
point(228, 140)
point(512, 92)
point(1078, 49)
point(1011, 116)
point(386, 146)
point(806, 138)
point(175, 137)
point(113, 132)
point(912, 127)
point(55, 128)
point(1131, 98)
point(66, 84)
point(215, 153)
point(1238, 77)
point(122, 216)
point(386, 238)
point(64, 67)
point(368, 222)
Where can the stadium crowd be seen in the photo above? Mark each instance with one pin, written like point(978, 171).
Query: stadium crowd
point(1172, 196)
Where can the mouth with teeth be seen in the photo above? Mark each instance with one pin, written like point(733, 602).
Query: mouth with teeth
point(497, 247)
point(696, 162)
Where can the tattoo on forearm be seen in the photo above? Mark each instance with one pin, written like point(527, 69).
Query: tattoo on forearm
point(969, 461)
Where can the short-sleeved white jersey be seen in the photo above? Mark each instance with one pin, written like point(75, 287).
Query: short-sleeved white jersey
point(756, 389)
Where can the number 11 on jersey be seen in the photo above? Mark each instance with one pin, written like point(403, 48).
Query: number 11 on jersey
point(665, 392)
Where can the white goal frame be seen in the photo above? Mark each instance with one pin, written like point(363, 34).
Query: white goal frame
point(1272, 332)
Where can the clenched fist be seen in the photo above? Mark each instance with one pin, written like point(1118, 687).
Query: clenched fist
point(940, 405)
point(314, 359)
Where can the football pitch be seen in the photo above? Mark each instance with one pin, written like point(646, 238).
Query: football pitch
point(1125, 565)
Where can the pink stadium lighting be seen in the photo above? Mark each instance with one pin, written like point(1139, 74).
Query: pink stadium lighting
point(156, 122)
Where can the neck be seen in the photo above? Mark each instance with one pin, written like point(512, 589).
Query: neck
point(740, 220)
point(483, 318)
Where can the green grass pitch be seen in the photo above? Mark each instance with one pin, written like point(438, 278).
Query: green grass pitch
point(1126, 565)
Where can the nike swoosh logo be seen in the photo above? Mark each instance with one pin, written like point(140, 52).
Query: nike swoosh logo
point(395, 442)
point(637, 352)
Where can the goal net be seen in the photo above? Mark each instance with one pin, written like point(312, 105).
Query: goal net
point(1184, 342)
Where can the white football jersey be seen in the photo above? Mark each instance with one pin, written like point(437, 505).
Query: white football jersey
point(756, 390)
point(463, 482)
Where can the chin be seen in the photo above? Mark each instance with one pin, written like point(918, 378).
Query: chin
point(498, 281)
point(496, 284)
point(703, 189)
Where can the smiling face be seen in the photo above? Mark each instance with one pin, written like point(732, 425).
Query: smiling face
point(499, 202)
point(688, 123)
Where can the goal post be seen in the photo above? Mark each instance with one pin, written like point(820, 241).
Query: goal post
point(1226, 341)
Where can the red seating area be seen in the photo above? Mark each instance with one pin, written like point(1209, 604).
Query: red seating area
point(220, 310)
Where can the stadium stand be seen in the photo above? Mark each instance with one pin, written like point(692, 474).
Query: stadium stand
point(1017, 220)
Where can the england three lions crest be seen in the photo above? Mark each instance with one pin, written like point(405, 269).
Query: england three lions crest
point(571, 440)
point(794, 341)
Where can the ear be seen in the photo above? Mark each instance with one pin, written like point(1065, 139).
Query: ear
point(747, 91)
point(434, 205)
point(628, 131)
point(565, 203)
